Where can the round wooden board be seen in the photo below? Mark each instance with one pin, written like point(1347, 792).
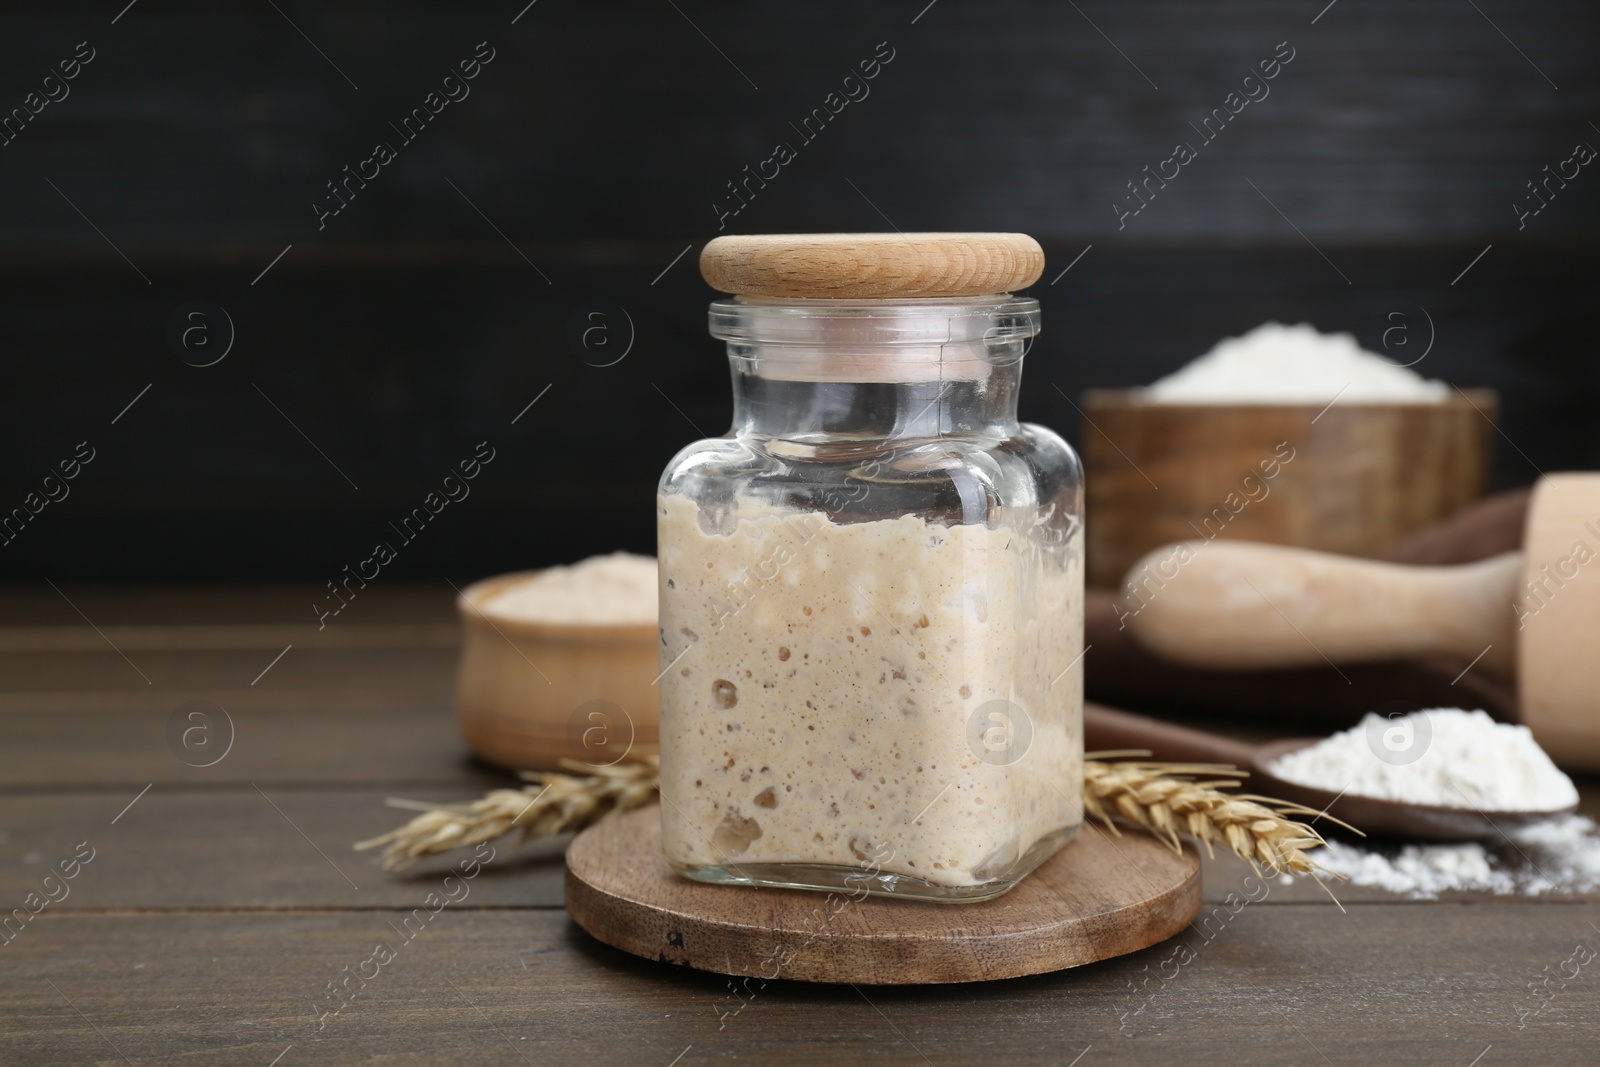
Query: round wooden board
point(1099, 897)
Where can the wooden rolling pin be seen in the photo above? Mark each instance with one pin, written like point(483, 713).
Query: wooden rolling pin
point(1534, 614)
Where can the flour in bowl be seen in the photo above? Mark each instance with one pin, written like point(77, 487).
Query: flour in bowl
point(614, 590)
point(1277, 364)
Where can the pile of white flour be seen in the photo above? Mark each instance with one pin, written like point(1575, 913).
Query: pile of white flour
point(1466, 760)
point(614, 590)
point(1559, 856)
point(1277, 364)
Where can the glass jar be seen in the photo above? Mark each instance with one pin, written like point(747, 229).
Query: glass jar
point(871, 607)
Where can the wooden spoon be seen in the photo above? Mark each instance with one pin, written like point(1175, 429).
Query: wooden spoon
point(1105, 730)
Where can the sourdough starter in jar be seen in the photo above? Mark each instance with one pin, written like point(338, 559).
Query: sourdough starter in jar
point(872, 693)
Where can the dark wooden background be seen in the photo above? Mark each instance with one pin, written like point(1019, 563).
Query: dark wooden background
point(597, 140)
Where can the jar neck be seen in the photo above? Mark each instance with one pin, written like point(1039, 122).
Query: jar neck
point(926, 407)
point(835, 370)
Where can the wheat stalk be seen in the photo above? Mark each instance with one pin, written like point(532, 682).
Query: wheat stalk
point(1165, 799)
point(558, 802)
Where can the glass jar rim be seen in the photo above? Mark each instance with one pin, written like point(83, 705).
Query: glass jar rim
point(917, 321)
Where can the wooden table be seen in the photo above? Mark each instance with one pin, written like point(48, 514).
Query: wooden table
point(221, 901)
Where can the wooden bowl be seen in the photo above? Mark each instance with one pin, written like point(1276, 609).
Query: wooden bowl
point(1350, 477)
point(529, 694)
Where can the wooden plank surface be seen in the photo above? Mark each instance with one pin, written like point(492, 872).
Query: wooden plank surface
point(1438, 146)
point(45, 613)
point(304, 666)
point(1397, 140)
point(183, 848)
point(1287, 985)
point(242, 853)
point(112, 750)
point(222, 901)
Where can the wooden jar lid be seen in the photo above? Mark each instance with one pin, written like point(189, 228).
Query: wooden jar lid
point(871, 265)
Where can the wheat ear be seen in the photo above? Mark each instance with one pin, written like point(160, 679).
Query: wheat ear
point(1169, 799)
point(556, 803)
point(1165, 799)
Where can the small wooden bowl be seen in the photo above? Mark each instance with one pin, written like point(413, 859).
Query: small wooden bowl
point(1361, 476)
point(529, 694)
